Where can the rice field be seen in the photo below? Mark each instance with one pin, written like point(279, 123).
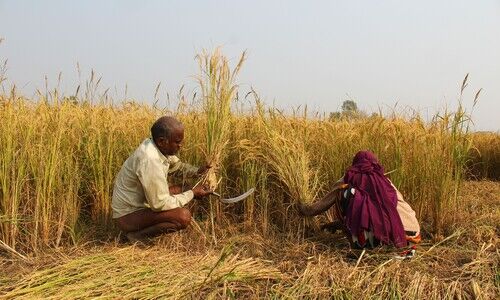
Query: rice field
point(60, 155)
point(247, 265)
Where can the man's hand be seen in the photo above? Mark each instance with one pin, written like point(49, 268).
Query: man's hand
point(203, 169)
point(201, 191)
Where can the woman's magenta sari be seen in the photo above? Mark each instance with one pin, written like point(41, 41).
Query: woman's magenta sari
point(374, 205)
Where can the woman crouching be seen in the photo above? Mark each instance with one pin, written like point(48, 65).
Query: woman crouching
point(370, 209)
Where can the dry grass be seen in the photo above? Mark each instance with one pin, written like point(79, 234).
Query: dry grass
point(133, 273)
point(249, 266)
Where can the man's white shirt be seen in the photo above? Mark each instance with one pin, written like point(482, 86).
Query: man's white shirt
point(142, 181)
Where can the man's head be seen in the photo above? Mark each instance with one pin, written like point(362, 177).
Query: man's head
point(168, 133)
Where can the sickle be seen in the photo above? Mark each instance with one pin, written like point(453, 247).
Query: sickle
point(235, 199)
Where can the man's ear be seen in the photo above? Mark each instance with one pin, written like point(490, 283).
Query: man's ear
point(159, 141)
point(162, 140)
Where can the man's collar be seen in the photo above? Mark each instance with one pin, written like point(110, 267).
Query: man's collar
point(164, 159)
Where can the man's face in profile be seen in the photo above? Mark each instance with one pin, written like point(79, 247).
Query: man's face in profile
point(172, 145)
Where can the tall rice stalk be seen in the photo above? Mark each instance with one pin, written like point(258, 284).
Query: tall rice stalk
point(100, 150)
point(55, 171)
point(249, 170)
point(218, 89)
point(40, 175)
point(485, 156)
point(456, 154)
point(13, 166)
point(107, 143)
point(285, 152)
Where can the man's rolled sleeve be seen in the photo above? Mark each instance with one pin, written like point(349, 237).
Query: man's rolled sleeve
point(152, 176)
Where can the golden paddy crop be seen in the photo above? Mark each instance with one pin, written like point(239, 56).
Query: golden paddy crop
point(60, 155)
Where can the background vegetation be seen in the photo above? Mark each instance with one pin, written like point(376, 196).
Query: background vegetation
point(59, 155)
point(59, 158)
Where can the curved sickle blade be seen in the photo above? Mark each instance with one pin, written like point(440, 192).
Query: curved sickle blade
point(239, 198)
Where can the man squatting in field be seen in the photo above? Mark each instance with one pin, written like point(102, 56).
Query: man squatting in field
point(144, 205)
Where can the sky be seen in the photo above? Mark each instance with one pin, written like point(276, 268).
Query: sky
point(390, 55)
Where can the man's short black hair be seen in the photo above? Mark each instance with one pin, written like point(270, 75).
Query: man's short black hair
point(164, 126)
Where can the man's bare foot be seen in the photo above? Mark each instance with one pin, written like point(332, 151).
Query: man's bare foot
point(134, 237)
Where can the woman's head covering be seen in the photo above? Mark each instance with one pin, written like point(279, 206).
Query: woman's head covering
point(374, 205)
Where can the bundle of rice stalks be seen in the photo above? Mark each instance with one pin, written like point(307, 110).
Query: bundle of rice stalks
point(218, 89)
point(284, 150)
point(132, 273)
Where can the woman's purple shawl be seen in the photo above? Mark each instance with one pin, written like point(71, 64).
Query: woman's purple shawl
point(374, 206)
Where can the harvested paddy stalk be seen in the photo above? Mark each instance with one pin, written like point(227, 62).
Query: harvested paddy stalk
point(218, 89)
point(131, 273)
point(285, 152)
